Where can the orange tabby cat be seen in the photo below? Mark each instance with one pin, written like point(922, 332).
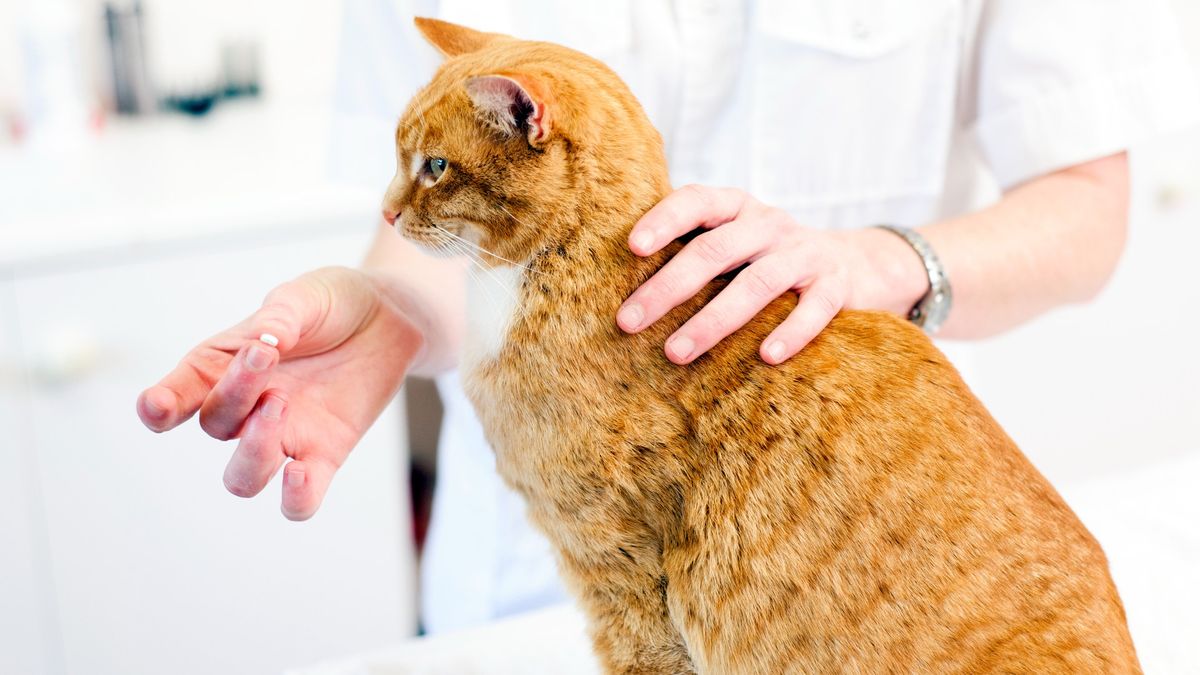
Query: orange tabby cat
point(852, 510)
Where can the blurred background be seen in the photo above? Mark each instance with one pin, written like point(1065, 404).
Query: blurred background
point(145, 145)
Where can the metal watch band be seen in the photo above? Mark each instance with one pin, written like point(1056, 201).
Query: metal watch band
point(932, 309)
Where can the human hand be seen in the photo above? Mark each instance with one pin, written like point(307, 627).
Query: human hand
point(831, 270)
point(343, 351)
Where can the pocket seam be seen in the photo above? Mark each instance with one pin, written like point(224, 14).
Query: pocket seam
point(782, 20)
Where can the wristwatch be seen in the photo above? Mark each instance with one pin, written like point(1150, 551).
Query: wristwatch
point(932, 309)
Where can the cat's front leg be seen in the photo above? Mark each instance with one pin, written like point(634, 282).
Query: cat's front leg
point(624, 598)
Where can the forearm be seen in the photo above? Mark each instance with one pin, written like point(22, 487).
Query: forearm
point(430, 291)
point(1052, 241)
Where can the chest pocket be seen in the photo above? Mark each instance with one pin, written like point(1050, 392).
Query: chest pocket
point(853, 104)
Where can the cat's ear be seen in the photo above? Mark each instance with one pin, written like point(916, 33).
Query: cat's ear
point(512, 104)
point(452, 39)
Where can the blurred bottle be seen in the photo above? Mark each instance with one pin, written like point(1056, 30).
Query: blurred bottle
point(132, 93)
point(56, 108)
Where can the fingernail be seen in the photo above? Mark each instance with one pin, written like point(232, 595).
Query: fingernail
point(153, 409)
point(643, 241)
point(294, 477)
point(682, 347)
point(257, 358)
point(272, 408)
point(631, 316)
point(775, 350)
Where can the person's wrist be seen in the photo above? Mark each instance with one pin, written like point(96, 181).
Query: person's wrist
point(893, 279)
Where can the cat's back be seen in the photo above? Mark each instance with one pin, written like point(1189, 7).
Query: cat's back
point(857, 507)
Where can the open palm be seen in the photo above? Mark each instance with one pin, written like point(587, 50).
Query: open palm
point(343, 349)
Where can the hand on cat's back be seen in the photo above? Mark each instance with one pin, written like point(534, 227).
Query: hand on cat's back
point(343, 349)
point(830, 270)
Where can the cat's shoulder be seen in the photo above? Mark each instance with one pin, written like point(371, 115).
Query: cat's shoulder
point(861, 359)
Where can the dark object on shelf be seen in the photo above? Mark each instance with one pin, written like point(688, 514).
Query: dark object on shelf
point(239, 67)
point(194, 103)
point(239, 79)
point(133, 94)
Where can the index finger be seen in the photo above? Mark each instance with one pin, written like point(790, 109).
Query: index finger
point(286, 312)
point(178, 396)
point(682, 211)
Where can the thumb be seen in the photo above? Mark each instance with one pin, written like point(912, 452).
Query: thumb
point(289, 314)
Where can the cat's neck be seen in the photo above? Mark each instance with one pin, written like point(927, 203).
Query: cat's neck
point(565, 298)
point(590, 258)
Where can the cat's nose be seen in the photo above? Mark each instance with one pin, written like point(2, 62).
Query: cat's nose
point(390, 215)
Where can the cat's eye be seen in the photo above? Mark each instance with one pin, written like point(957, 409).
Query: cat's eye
point(437, 166)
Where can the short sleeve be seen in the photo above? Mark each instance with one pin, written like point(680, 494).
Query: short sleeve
point(382, 62)
point(1059, 82)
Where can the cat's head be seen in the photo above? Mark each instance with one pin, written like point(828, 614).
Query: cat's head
point(503, 141)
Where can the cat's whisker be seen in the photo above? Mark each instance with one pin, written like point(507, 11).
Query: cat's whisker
point(491, 274)
point(477, 261)
point(480, 283)
point(481, 249)
point(511, 215)
point(474, 261)
point(473, 246)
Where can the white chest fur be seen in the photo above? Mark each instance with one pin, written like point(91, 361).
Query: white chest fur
point(492, 303)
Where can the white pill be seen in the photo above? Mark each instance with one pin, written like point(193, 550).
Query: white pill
point(269, 339)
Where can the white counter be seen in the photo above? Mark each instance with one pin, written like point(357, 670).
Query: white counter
point(169, 179)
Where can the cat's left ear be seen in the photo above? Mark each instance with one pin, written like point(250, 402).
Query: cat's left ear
point(452, 39)
point(512, 104)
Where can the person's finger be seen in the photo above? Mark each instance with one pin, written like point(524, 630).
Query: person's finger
point(681, 212)
point(227, 406)
point(304, 485)
point(751, 290)
point(818, 304)
point(260, 451)
point(286, 313)
point(179, 394)
point(699, 262)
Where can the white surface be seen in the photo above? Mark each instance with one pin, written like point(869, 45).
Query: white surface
point(244, 168)
point(1145, 520)
point(550, 641)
